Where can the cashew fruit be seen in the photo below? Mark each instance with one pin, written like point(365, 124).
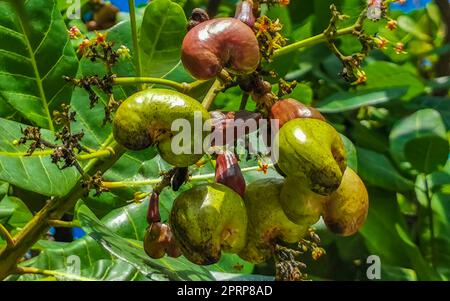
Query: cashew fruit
point(145, 119)
point(223, 43)
point(244, 12)
point(288, 109)
point(267, 222)
point(312, 149)
point(299, 203)
point(207, 220)
point(345, 210)
point(228, 172)
point(158, 241)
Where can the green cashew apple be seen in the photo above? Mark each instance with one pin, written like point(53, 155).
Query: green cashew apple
point(207, 220)
point(300, 204)
point(145, 119)
point(312, 149)
point(267, 222)
point(345, 210)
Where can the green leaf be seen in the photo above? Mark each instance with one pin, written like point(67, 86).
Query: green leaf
point(14, 213)
point(103, 246)
point(436, 249)
point(391, 273)
point(239, 277)
point(346, 101)
point(281, 13)
point(302, 93)
point(231, 264)
point(410, 26)
point(385, 75)
point(162, 32)
point(421, 140)
point(369, 138)
point(35, 54)
point(352, 157)
point(59, 256)
point(101, 270)
point(133, 253)
point(378, 171)
point(440, 104)
point(322, 12)
point(439, 83)
point(35, 173)
point(6, 110)
point(386, 236)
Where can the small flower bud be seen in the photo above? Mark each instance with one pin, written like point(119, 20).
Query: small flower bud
point(391, 25)
point(123, 52)
point(84, 44)
point(100, 38)
point(400, 48)
point(74, 32)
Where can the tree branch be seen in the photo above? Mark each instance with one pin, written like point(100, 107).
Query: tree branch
point(83, 157)
point(63, 224)
point(216, 87)
point(4, 233)
point(56, 274)
point(53, 210)
point(199, 178)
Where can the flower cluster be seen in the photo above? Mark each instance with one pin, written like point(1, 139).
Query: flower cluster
point(269, 36)
point(98, 47)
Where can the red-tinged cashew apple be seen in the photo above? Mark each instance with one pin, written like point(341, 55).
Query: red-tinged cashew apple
point(207, 220)
point(244, 12)
point(299, 203)
point(267, 222)
point(312, 149)
point(159, 241)
point(229, 173)
point(231, 126)
point(223, 43)
point(346, 209)
point(288, 109)
point(145, 119)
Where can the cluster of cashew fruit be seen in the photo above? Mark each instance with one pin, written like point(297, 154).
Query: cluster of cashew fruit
point(229, 215)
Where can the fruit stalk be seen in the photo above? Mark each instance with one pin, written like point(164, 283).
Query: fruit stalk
point(180, 87)
point(216, 87)
point(199, 178)
point(320, 38)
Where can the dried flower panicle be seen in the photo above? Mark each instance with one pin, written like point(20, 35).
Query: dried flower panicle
point(32, 134)
point(70, 144)
point(288, 265)
point(105, 84)
point(268, 33)
point(95, 182)
point(285, 87)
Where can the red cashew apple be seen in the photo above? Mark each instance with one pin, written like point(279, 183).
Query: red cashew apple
point(223, 43)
